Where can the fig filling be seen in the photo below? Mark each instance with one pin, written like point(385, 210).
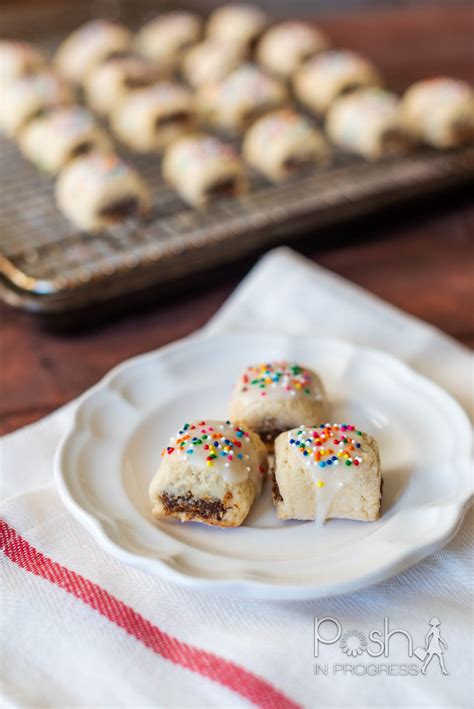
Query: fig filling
point(394, 142)
point(81, 149)
point(116, 54)
point(204, 508)
point(177, 118)
point(295, 163)
point(349, 88)
point(121, 209)
point(139, 81)
point(276, 490)
point(226, 187)
point(252, 114)
point(462, 131)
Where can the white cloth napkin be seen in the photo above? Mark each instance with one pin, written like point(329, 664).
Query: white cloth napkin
point(80, 629)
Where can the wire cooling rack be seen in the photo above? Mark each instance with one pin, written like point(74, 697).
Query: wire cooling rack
point(48, 266)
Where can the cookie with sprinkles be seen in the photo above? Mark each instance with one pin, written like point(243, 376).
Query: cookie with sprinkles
point(19, 59)
point(368, 122)
point(272, 397)
point(440, 112)
point(88, 46)
point(233, 103)
point(327, 471)
point(52, 141)
point(325, 77)
point(283, 142)
point(210, 472)
point(202, 168)
point(98, 190)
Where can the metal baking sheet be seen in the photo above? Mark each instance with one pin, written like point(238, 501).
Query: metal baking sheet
point(48, 266)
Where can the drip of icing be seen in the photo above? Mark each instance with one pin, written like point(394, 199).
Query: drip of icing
point(331, 453)
point(279, 379)
point(222, 447)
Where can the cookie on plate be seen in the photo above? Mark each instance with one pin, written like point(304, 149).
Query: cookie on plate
point(90, 44)
point(273, 397)
point(440, 112)
point(329, 74)
point(201, 168)
point(150, 119)
point(211, 472)
point(235, 102)
point(30, 97)
point(327, 471)
point(98, 191)
point(281, 143)
point(210, 61)
point(109, 83)
point(284, 47)
point(53, 140)
point(167, 36)
point(238, 24)
point(19, 59)
point(368, 122)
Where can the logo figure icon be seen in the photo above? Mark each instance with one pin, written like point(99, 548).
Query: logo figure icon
point(434, 645)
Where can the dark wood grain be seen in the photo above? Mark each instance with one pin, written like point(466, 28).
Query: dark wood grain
point(419, 259)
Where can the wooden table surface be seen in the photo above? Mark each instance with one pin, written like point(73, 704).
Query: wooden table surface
point(418, 258)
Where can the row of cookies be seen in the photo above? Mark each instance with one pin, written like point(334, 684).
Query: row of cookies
point(148, 117)
point(95, 188)
point(212, 471)
point(371, 121)
point(229, 98)
point(40, 110)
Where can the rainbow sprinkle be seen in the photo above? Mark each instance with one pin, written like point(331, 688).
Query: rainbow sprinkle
point(214, 440)
point(291, 378)
point(327, 445)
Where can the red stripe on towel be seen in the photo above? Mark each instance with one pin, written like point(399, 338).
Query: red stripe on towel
point(217, 669)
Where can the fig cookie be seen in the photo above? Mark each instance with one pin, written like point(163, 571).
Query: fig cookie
point(201, 168)
point(368, 122)
point(98, 191)
point(88, 46)
point(111, 82)
point(149, 119)
point(19, 59)
point(30, 97)
point(273, 397)
point(166, 37)
point(237, 24)
point(211, 472)
point(440, 112)
point(53, 140)
point(282, 143)
point(284, 47)
point(244, 95)
point(210, 61)
point(327, 471)
point(328, 75)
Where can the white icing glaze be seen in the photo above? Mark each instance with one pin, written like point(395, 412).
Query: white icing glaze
point(335, 64)
point(331, 453)
point(361, 118)
point(276, 380)
point(249, 83)
point(220, 446)
point(428, 95)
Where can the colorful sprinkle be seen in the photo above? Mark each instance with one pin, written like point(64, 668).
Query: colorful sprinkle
point(192, 436)
point(286, 376)
point(327, 444)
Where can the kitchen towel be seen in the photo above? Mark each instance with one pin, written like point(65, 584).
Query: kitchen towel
point(79, 629)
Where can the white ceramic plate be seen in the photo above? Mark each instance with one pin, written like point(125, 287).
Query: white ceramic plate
point(106, 462)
